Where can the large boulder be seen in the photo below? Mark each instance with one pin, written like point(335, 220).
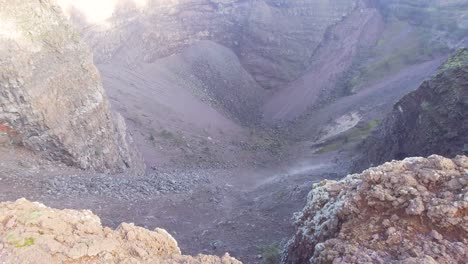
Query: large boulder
point(33, 233)
point(410, 211)
point(51, 97)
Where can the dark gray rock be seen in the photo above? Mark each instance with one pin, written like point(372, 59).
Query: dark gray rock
point(51, 97)
point(430, 120)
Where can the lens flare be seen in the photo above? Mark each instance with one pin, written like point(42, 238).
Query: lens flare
point(95, 11)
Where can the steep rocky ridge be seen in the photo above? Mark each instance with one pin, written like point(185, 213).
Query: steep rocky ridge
point(187, 104)
point(275, 40)
point(410, 211)
point(52, 100)
point(279, 39)
point(414, 32)
point(392, 43)
point(430, 120)
point(444, 20)
point(33, 233)
point(211, 73)
point(334, 56)
point(313, 52)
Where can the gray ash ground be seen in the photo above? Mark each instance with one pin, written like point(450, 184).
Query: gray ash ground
point(124, 188)
point(238, 210)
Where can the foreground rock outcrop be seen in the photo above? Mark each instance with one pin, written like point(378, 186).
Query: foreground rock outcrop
point(51, 96)
point(33, 233)
point(430, 120)
point(410, 211)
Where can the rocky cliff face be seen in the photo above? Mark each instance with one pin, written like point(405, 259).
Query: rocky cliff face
point(410, 211)
point(319, 84)
point(415, 32)
point(312, 52)
point(444, 20)
point(33, 233)
point(51, 97)
point(430, 120)
point(275, 40)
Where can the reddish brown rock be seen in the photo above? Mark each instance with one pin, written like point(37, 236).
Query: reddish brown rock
point(400, 212)
point(33, 233)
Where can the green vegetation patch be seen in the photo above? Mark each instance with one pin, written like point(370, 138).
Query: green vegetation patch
point(271, 254)
point(416, 31)
point(354, 135)
point(26, 243)
point(332, 146)
point(458, 60)
point(261, 140)
point(280, 195)
point(174, 137)
point(449, 16)
point(425, 106)
point(20, 243)
point(401, 45)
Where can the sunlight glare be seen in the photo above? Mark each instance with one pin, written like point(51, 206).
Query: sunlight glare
point(95, 11)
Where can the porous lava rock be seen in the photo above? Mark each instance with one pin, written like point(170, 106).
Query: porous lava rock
point(30, 232)
point(410, 211)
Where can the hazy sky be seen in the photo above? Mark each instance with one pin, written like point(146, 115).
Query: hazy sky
point(95, 10)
